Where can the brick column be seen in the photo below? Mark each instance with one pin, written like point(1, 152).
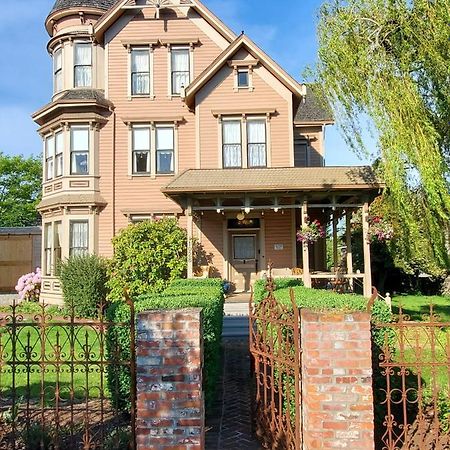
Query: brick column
point(170, 404)
point(337, 381)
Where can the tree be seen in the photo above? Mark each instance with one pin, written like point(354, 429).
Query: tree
point(388, 60)
point(147, 256)
point(20, 190)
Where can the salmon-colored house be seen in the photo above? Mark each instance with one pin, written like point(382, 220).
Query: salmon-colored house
point(159, 109)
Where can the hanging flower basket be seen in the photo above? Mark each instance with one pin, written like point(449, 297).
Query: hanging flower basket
point(311, 232)
point(380, 230)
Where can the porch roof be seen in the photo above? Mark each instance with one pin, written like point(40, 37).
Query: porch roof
point(274, 179)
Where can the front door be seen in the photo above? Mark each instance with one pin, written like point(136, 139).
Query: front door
point(244, 260)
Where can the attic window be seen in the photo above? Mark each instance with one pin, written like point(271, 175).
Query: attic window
point(242, 78)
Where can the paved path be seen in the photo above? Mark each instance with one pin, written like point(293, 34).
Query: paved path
point(230, 420)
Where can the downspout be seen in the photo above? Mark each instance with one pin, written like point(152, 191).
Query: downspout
point(113, 202)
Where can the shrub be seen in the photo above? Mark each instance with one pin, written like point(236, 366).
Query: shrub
point(205, 294)
point(83, 281)
point(259, 288)
point(29, 286)
point(147, 257)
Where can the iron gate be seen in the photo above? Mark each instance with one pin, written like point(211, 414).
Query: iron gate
point(412, 383)
point(275, 350)
point(60, 381)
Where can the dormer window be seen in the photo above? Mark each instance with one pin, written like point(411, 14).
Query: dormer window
point(180, 69)
point(57, 71)
point(82, 62)
point(242, 78)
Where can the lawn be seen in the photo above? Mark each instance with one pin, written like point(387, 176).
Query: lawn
point(416, 306)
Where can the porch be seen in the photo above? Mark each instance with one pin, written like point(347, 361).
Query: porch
point(240, 219)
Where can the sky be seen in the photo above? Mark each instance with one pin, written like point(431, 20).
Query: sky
point(285, 30)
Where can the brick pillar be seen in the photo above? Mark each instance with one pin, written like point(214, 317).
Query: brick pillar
point(170, 404)
point(337, 381)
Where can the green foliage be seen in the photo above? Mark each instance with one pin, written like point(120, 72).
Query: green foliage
point(83, 281)
point(388, 61)
point(259, 287)
point(37, 436)
point(206, 294)
point(118, 439)
point(147, 257)
point(20, 190)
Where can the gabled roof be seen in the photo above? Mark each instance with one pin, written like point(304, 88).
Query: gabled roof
point(313, 109)
point(66, 4)
point(242, 42)
point(115, 12)
point(274, 179)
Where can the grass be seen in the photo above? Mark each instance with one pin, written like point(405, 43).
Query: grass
point(416, 306)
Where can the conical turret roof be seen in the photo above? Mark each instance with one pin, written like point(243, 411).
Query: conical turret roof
point(65, 4)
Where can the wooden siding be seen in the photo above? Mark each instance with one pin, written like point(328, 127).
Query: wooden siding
point(211, 240)
point(279, 230)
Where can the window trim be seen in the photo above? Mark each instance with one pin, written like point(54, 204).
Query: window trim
point(58, 71)
point(86, 249)
point(256, 119)
point(172, 48)
point(157, 150)
point(239, 85)
point(87, 152)
point(237, 120)
point(149, 151)
point(149, 48)
point(84, 43)
point(53, 157)
point(48, 250)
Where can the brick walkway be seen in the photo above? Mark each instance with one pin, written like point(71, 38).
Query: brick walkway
point(230, 420)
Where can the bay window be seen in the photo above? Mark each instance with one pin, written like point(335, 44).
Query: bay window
point(79, 150)
point(164, 150)
point(82, 63)
point(48, 248)
point(180, 69)
point(256, 143)
point(141, 150)
point(57, 71)
point(140, 71)
point(59, 149)
point(49, 157)
point(57, 243)
point(232, 143)
point(79, 237)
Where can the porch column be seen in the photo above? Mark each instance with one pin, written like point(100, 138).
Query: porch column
point(366, 248)
point(348, 241)
point(190, 249)
point(305, 248)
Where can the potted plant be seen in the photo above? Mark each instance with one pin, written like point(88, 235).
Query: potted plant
point(311, 232)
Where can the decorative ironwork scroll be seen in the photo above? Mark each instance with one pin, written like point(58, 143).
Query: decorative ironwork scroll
point(57, 384)
point(412, 383)
point(275, 348)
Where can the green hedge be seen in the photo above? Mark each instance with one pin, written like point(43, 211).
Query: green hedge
point(180, 294)
point(259, 288)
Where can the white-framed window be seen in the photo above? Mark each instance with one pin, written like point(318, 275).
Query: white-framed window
point(58, 70)
point(243, 80)
point(82, 64)
point(256, 143)
point(48, 248)
point(49, 157)
point(79, 149)
point(78, 237)
point(180, 68)
point(231, 143)
point(140, 71)
point(141, 149)
point(59, 152)
point(57, 253)
point(165, 151)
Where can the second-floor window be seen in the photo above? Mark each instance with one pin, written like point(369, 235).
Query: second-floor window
point(141, 150)
point(79, 150)
point(140, 71)
point(180, 70)
point(82, 64)
point(54, 150)
point(164, 150)
point(256, 143)
point(49, 157)
point(232, 143)
point(79, 237)
point(57, 71)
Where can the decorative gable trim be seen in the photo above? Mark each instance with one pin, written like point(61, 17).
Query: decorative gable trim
point(243, 41)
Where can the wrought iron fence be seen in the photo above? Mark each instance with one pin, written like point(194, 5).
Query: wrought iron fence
point(412, 384)
point(58, 383)
point(275, 348)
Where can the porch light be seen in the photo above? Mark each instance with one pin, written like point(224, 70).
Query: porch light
point(219, 210)
point(247, 210)
point(240, 216)
point(276, 209)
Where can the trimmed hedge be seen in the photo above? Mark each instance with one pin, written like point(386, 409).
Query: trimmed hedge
point(180, 294)
point(259, 288)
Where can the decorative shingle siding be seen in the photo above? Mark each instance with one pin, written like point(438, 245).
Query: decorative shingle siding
point(66, 4)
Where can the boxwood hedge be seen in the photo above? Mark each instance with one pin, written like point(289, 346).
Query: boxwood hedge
point(206, 294)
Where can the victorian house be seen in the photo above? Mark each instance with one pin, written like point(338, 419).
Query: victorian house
point(159, 109)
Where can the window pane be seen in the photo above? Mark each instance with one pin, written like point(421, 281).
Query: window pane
point(79, 238)
point(141, 162)
point(49, 146)
point(140, 83)
point(256, 130)
point(243, 79)
point(83, 54)
point(57, 242)
point(79, 163)
point(164, 138)
point(165, 162)
point(300, 154)
point(140, 61)
point(48, 248)
point(244, 247)
point(232, 132)
point(179, 80)
point(83, 76)
point(57, 60)
point(141, 138)
point(180, 60)
point(232, 155)
point(79, 139)
point(257, 155)
point(59, 141)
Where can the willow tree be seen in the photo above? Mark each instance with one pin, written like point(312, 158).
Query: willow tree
point(388, 61)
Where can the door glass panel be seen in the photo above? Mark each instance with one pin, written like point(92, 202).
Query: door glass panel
point(244, 247)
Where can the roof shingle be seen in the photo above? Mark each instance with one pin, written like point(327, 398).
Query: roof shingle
point(313, 109)
point(66, 4)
